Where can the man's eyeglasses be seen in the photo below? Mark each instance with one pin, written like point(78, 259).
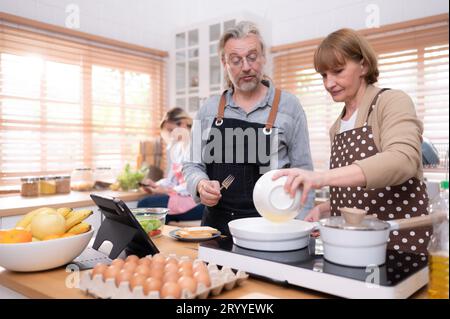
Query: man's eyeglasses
point(238, 61)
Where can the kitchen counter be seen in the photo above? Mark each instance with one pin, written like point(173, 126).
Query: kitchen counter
point(19, 205)
point(51, 284)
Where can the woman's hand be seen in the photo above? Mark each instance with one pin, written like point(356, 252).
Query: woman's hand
point(209, 192)
point(299, 178)
point(151, 187)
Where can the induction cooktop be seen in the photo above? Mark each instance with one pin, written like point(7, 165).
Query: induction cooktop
point(400, 277)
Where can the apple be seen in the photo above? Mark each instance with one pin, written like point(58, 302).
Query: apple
point(46, 224)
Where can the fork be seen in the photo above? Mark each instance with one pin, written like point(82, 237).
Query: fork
point(227, 182)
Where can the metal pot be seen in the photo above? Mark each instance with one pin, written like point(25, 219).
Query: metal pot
point(364, 244)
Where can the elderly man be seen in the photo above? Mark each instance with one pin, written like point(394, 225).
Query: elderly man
point(252, 128)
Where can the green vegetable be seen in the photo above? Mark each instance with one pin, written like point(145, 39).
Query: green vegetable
point(150, 224)
point(130, 179)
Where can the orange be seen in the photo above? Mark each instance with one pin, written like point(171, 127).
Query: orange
point(13, 236)
point(2, 234)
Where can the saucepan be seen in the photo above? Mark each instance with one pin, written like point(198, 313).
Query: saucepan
point(362, 244)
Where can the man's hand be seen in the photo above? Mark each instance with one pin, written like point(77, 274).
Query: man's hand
point(209, 192)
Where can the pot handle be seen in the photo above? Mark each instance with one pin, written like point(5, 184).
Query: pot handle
point(407, 223)
point(315, 225)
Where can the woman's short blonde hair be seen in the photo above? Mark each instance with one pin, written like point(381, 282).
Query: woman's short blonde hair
point(343, 45)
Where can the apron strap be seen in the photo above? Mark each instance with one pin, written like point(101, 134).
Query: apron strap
point(273, 112)
point(221, 111)
point(374, 102)
point(270, 120)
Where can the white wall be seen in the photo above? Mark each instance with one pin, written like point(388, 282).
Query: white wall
point(152, 23)
point(134, 21)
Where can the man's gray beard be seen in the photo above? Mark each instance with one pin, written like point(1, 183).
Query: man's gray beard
point(248, 86)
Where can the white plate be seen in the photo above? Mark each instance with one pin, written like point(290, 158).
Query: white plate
point(272, 202)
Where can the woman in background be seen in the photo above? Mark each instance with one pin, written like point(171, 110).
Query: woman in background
point(171, 191)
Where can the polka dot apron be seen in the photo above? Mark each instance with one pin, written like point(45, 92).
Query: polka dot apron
point(407, 200)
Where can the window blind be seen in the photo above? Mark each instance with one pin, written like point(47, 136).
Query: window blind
point(413, 57)
point(67, 102)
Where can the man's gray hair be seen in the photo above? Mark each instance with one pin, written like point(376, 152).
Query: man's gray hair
point(242, 30)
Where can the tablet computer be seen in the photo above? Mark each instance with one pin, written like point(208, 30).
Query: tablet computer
point(122, 229)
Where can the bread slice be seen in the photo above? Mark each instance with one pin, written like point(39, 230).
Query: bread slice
point(184, 234)
point(197, 232)
point(200, 229)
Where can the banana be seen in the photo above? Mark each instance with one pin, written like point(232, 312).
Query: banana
point(80, 228)
point(26, 220)
point(70, 214)
point(77, 217)
point(35, 239)
point(64, 211)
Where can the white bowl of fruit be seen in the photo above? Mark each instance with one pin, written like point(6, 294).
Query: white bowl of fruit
point(45, 238)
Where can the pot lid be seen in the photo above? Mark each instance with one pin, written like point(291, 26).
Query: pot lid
point(369, 223)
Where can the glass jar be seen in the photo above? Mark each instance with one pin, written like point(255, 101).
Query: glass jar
point(47, 185)
point(30, 186)
point(62, 184)
point(82, 179)
point(103, 177)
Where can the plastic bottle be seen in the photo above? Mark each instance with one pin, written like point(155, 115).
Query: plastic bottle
point(438, 247)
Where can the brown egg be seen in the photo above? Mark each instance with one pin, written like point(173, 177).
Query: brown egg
point(123, 275)
point(152, 284)
point(203, 277)
point(186, 268)
point(158, 258)
point(200, 266)
point(137, 280)
point(171, 260)
point(132, 258)
point(118, 262)
point(185, 263)
point(145, 261)
point(186, 272)
point(171, 268)
point(111, 272)
point(99, 269)
point(143, 270)
point(171, 290)
point(188, 283)
point(170, 277)
point(130, 266)
point(157, 272)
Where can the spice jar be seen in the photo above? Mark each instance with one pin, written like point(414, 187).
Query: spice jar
point(82, 179)
point(47, 185)
point(62, 184)
point(30, 186)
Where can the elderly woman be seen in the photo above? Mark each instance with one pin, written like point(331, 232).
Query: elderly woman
point(375, 160)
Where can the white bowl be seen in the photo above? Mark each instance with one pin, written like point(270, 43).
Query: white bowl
point(261, 234)
point(43, 255)
point(272, 202)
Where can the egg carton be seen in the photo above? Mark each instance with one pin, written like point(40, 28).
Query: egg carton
point(221, 280)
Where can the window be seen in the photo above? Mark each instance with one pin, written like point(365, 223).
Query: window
point(413, 57)
point(65, 103)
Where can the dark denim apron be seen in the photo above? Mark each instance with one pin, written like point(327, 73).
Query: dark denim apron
point(241, 158)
